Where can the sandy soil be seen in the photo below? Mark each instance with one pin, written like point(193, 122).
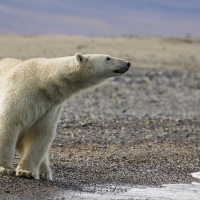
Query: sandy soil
point(142, 128)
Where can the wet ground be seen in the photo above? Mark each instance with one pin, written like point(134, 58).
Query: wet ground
point(139, 130)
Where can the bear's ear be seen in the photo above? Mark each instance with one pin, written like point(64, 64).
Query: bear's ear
point(80, 58)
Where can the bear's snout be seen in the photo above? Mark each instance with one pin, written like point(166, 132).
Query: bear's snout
point(123, 69)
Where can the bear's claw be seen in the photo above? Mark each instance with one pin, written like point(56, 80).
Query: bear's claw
point(45, 176)
point(25, 173)
point(8, 171)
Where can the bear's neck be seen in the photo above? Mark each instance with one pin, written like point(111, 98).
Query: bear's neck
point(62, 85)
point(77, 85)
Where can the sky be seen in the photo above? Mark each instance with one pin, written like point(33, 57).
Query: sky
point(101, 17)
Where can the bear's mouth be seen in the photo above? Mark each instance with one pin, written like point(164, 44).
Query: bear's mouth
point(121, 70)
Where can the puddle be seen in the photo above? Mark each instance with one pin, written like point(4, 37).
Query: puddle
point(166, 192)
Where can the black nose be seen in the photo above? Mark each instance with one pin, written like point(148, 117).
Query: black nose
point(128, 64)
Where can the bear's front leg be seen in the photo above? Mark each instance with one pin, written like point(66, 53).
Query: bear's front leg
point(33, 150)
point(45, 171)
point(34, 146)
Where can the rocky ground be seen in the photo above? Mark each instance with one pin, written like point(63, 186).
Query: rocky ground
point(139, 129)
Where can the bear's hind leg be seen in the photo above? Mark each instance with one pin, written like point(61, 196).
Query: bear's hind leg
point(8, 138)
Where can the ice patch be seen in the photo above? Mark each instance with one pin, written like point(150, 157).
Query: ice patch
point(166, 192)
point(196, 175)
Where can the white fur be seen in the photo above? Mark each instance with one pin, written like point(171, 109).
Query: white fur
point(31, 97)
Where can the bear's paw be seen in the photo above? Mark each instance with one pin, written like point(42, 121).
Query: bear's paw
point(46, 176)
point(26, 174)
point(7, 171)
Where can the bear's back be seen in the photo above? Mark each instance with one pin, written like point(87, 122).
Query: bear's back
point(7, 64)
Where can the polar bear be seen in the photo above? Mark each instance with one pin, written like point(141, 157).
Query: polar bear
point(31, 96)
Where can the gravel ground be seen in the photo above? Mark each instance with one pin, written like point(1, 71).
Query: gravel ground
point(139, 129)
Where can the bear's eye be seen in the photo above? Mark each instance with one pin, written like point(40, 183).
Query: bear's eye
point(108, 58)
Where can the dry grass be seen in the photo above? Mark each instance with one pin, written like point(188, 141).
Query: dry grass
point(154, 52)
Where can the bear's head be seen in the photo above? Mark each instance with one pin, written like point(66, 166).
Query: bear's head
point(101, 66)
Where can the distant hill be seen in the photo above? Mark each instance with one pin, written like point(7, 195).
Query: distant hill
point(106, 17)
